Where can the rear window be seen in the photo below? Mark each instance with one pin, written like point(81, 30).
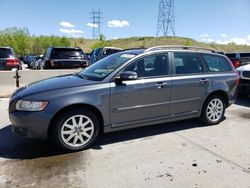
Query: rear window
point(217, 63)
point(66, 53)
point(245, 55)
point(233, 55)
point(5, 53)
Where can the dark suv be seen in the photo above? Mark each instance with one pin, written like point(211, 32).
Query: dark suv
point(239, 58)
point(8, 59)
point(100, 53)
point(64, 57)
point(125, 90)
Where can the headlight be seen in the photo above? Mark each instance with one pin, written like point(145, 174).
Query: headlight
point(31, 105)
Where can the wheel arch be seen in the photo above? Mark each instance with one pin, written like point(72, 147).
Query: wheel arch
point(221, 93)
point(76, 106)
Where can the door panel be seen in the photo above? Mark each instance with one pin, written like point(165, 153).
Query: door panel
point(189, 83)
point(140, 100)
point(144, 99)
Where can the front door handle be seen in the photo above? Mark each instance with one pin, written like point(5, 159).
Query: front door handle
point(161, 84)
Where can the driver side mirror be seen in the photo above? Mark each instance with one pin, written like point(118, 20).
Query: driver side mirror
point(125, 76)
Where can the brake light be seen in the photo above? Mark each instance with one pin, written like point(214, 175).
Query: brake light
point(236, 63)
point(237, 77)
point(52, 63)
point(12, 62)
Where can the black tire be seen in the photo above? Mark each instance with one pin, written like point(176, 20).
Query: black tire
point(61, 120)
point(205, 115)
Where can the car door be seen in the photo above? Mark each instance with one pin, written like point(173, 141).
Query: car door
point(145, 99)
point(189, 83)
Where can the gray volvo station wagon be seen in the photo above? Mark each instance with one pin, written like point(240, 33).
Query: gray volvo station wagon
point(128, 89)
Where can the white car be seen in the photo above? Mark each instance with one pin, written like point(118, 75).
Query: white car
point(244, 87)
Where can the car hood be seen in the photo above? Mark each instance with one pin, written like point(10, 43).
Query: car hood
point(55, 83)
point(244, 68)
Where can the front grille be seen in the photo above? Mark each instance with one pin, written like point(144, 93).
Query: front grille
point(246, 74)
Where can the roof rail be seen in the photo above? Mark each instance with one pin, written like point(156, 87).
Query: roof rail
point(179, 47)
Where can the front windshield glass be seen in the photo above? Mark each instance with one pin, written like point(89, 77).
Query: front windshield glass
point(105, 67)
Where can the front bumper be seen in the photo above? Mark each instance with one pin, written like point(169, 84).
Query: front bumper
point(30, 124)
point(244, 87)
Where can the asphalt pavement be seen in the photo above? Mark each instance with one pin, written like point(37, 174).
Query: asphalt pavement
point(180, 154)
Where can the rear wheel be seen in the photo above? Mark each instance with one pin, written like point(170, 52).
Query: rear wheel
point(76, 130)
point(213, 110)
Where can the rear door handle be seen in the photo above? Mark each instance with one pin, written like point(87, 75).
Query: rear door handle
point(204, 80)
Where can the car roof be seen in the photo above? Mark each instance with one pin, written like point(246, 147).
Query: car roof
point(65, 47)
point(134, 51)
point(5, 48)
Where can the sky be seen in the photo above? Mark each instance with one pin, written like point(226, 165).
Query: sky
point(220, 21)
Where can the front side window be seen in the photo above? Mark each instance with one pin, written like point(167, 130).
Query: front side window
point(187, 63)
point(150, 66)
point(216, 63)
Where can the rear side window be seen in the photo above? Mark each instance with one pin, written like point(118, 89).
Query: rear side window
point(187, 63)
point(5, 53)
point(217, 63)
point(66, 53)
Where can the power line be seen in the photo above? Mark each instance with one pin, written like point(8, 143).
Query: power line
point(166, 18)
point(96, 17)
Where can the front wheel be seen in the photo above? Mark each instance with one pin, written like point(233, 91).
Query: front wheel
point(76, 130)
point(213, 110)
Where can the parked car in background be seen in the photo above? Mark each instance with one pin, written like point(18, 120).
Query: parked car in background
point(37, 62)
point(28, 59)
point(100, 53)
point(126, 90)
point(244, 87)
point(64, 57)
point(239, 58)
point(8, 59)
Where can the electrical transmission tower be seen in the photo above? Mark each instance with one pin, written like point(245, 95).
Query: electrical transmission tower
point(96, 17)
point(166, 18)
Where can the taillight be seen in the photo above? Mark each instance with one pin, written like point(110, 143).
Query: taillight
point(237, 77)
point(52, 63)
point(12, 62)
point(236, 63)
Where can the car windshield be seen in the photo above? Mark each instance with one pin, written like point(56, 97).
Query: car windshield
point(66, 53)
point(5, 53)
point(106, 66)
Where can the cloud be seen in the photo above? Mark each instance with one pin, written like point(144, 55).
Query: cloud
point(71, 31)
point(92, 25)
point(66, 24)
point(248, 37)
point(118, 23)
point(239, 41)
point(236, 40)
point(204, 36)
point(210, 40)
point(223, 35)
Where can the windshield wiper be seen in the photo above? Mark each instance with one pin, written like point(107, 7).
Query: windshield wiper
point(80, 76)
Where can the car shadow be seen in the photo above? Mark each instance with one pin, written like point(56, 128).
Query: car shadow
point(15, 147)
point(243, 101)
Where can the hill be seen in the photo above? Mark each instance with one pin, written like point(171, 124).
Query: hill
point(144, 42)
